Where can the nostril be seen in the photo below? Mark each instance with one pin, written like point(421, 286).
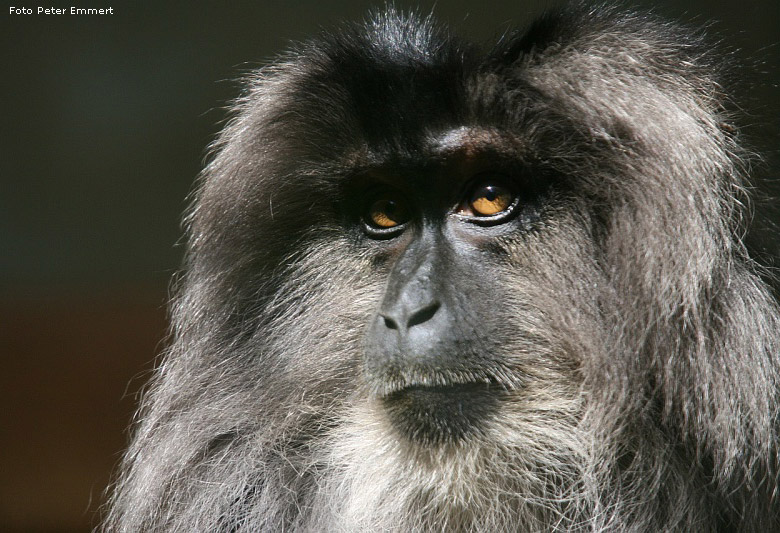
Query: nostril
point(423, 315)
point(389, 322)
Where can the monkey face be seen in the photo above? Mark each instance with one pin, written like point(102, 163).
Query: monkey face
point(436, 348)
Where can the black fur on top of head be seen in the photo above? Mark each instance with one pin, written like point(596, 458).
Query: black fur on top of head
point(633, 342)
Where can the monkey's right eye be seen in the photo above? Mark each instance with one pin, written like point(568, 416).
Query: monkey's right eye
point(386, 213)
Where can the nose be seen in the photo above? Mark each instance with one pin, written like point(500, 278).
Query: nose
point(406, 317)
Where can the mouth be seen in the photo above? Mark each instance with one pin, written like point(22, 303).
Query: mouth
point(433, 414)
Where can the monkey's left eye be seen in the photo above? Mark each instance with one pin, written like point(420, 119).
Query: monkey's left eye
point(386, 214)
point(489, 201)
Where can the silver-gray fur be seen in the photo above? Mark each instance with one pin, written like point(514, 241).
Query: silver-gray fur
point(637, 343)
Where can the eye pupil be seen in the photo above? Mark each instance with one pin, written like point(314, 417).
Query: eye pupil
point(391, 209)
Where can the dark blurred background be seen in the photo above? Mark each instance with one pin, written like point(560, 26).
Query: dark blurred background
point(105, 124)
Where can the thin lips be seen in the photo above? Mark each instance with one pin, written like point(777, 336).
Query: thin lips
point(498, 378)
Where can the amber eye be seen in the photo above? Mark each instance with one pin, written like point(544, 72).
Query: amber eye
point(489, 199)
point(386, 213)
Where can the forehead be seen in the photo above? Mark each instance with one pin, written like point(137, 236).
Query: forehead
point(373, 111)
point(391, 95)
point(395, 83)
point(441, 165)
